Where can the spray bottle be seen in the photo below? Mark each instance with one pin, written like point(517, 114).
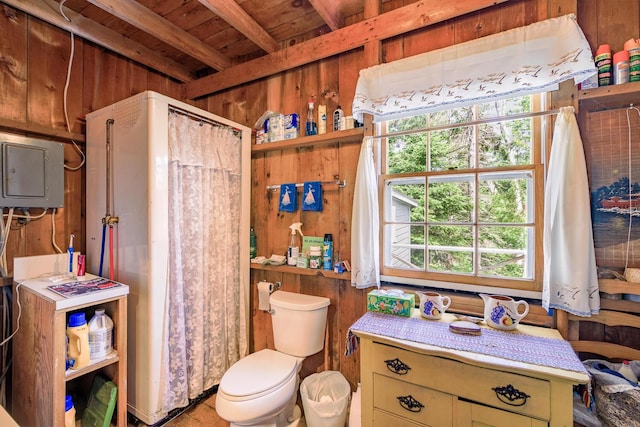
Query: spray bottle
point(294, 247)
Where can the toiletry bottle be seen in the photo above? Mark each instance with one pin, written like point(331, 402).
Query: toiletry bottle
point(78, 333)
point(69, 412)
point(252, 243)
point(625, 370)
point(327, 256)
point(337, 117)
point(322, 119)
point(312, 128)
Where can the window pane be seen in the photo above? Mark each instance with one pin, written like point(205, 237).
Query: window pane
point(503, 252)
point(406, 250)
point(451, 198)
point(407, 123)
point(406, 197)
point(504, 107)
point(450, 248)
point(505, 143)
point(451, 117)
point(451, 149)
point(505, 198)
point(407, 153)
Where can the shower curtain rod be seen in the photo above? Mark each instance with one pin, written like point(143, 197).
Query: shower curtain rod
point(476, 122)
point(339, 183)
point(203, 119)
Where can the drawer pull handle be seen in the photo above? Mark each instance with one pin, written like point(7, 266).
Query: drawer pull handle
point(511, 395)
point(397, 366)
point(410, 404)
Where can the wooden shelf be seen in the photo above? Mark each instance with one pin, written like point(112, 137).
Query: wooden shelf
point(608, 97)
point(330, 274)
point(615, 286)
point(343, 136)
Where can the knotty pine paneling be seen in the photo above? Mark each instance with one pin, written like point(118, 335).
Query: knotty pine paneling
point(34, 57)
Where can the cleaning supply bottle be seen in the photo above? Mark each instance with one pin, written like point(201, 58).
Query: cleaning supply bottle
point(312, 127)
point(100, 335)
point(327, 255)
point(294, 248)
point(78, 333)
point(337, 118)
point(69, 412)
point(252, 243)
point(625, 370)
point(322, 119)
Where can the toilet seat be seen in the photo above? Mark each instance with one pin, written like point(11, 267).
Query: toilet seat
point(257, 374)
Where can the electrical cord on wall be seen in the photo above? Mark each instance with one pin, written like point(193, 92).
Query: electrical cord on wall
point(53, 231)
point(66, 88)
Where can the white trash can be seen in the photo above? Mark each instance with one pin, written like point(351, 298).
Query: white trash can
point(325, 399)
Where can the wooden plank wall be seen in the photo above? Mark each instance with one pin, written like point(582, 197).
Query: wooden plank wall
point(331, 82)
point(32, 75)
point(33, 70)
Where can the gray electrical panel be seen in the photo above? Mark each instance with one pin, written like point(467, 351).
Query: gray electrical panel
point(31, 172)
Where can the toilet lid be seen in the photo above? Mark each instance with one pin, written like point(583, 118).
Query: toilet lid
point(257, 373)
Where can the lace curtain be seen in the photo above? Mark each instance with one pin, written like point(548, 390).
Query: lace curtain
point(570, 278)
point(517, 62)
point(204, 325)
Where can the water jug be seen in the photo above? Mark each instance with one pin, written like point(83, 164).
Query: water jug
point(100, 335)
point(78, 334)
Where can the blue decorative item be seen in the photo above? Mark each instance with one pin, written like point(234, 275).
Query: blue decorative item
point(312, 196)
point(288, 198)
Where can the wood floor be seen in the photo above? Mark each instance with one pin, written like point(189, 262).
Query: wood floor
point(204, 413)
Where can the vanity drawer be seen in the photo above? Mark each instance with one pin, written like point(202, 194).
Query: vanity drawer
point(418, 404)
point(512, 392)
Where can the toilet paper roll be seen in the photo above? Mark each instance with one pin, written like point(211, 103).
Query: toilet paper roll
point(264, 290)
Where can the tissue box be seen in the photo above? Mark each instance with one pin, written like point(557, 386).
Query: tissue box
point(391, 302)
point(291, 126)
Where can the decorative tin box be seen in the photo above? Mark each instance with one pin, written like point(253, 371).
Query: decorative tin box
point(392, 301)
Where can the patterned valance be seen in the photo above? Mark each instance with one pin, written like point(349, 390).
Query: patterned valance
point(516, 62)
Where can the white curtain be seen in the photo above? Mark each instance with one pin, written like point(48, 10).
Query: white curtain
point(204, 326)
point(570, 280)
point(517, 62)
point(365, 221)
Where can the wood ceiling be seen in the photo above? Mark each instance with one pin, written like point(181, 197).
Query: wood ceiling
point(211, 45)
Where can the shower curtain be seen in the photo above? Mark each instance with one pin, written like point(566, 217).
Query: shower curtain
point(204, 325)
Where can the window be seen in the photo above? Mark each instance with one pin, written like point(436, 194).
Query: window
point(462, 195)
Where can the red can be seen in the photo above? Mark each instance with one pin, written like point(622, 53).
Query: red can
point(82, 266)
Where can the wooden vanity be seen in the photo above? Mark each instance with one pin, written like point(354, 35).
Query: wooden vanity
point(407, 383)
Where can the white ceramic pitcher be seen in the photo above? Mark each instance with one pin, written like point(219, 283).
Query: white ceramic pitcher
point(503, 312)
point(433, 305)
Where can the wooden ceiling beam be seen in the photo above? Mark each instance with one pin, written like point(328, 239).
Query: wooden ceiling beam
point(151, 23)
point(48, 11)
point(398, 21)
point(330, 13)
point(235, 16)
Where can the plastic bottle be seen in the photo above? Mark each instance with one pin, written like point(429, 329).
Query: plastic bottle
point(621, 67)
point(322, 119)
point(603, 62)
point(312, 127)
point(69, 412)
point(633, 47)
point(337, 118)
point(252, 243)
point(100, 335)
point(294, 248)
point(327, 256)
point(625, 370)
point(78, 333)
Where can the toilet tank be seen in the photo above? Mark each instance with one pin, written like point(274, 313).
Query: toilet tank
point(299, 322)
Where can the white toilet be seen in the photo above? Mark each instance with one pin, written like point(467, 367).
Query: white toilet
point(261, 389)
